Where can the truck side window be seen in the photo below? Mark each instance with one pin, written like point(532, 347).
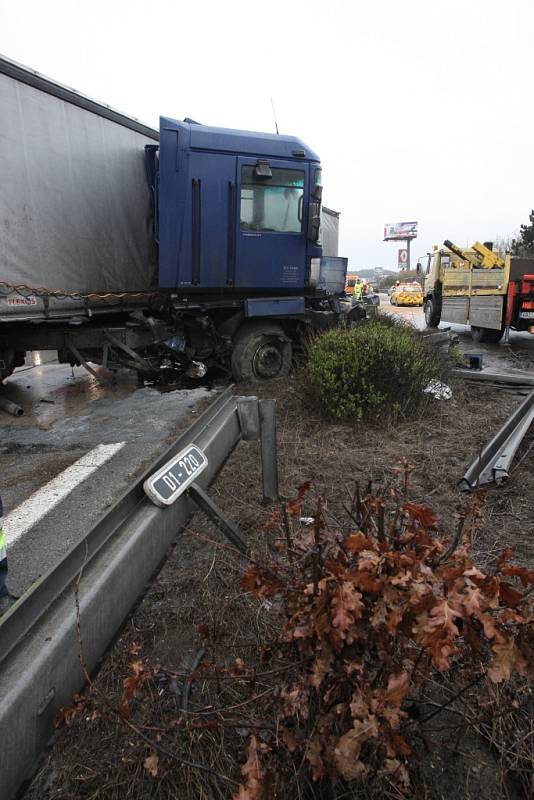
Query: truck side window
point(272, 204)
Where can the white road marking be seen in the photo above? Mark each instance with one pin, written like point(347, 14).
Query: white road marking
point(25, 516)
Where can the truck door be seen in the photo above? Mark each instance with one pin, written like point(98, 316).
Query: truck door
point(270, 250)
point(207, 210)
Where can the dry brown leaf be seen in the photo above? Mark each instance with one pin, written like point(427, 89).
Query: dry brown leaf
point(151, 763)
point(397, 690)
point(314, 758)
point(424, 515)
point(507, 659)
point(252, 772)
point(356, 542)
point(439, 633)
point(348, 748)
point(347, 607)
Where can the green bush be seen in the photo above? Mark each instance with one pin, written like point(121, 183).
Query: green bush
point(375, 368)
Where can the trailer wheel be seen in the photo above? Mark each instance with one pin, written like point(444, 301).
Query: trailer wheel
point(262, 351)
point(486, 335)
point(432, 315)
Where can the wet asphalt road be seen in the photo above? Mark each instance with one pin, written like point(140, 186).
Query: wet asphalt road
point(69, 413)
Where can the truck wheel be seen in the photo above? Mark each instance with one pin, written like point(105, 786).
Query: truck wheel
point(432, 315)
point(261, 352)
point(487, 335)
point(9, 361)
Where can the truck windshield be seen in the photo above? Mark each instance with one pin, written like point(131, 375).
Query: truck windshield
point(272, 204)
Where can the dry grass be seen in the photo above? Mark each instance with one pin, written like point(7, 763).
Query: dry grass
point(103, 759)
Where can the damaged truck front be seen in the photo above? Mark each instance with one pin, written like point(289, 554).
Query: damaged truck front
point(216, 259)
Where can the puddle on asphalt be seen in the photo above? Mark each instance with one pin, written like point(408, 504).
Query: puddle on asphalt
point(49, 391)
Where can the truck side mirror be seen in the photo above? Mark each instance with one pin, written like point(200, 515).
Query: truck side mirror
point(317, 192)
point(314, 222)
point(419, 268)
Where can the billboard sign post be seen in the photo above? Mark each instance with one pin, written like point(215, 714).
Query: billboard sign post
point(401, 232)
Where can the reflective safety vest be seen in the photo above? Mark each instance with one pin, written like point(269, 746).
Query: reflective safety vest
point(3, 557)
point(357, 291)
point(3, 551)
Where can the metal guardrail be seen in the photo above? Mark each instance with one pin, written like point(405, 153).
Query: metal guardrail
point(39, 660)
point(516, 378)
point(493, 463)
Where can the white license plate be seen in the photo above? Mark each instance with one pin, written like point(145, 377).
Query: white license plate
point(526, 314)
point(171, 480)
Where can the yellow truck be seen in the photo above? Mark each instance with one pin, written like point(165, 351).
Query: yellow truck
point(475, 286)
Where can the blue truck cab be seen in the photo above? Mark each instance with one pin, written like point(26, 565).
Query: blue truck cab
point(238, 228)
point(237, 212)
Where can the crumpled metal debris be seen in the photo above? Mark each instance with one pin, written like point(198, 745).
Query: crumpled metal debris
point(438, 390)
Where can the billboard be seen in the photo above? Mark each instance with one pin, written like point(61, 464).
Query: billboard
point(400, 230)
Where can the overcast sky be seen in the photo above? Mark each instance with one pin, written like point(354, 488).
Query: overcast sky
point(420, 110)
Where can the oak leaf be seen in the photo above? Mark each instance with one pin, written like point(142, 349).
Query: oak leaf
point(289, 739)
point(507, 659)
point(368, 561)
point(422, 514)
point(379, 615)
point(356, 542)
point(397, 689)
point(359, 706)
point(514, 616)
point(203, 631)
point(490, 590)
point(151, 764)
point(398, 772)
point(67, 714)
point(321, 667)
point(261, 582)
point(294, 507)
point(132, 686)
point(347, 750)
point(438, 633)
point(510, 596)
point(252, 772)
point(504, 556)
point(526, 576)
point(347, 607)
point(313, 754)
point(394, 618)
point(397, 745)
point(366, 582)
point(471, 600)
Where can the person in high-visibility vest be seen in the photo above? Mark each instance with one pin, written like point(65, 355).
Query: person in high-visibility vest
point(358, 289)
point(6, 598)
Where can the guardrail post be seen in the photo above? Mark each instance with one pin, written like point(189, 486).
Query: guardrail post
point(269, 452)
point(249, 418)
point(212, 510)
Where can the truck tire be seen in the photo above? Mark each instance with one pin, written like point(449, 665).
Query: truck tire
point(9, 361)
point(262, 351)
point(486, 335)
point(432, 315)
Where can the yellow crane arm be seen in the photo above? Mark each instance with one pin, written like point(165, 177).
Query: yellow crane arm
point(482, 257)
